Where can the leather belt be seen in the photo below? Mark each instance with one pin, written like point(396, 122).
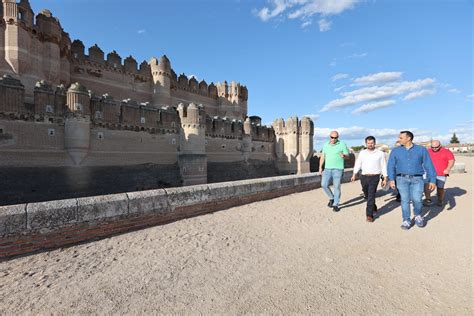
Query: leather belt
point(371, 175)
point(409, 175)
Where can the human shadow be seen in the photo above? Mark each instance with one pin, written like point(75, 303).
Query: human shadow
point(360, 199)
point(352, 202)
point(434, 210)
point(451, 194)
point(387, 207)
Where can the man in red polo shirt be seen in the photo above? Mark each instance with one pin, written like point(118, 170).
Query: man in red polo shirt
point(443, 161)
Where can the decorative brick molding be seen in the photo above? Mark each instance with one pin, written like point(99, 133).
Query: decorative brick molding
point(27, 228)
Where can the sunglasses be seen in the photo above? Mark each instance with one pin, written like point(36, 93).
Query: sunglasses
point(435, 148)
point(334, 137)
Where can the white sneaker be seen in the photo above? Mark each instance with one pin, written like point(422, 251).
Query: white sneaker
point(406, 225)
point(419, 221)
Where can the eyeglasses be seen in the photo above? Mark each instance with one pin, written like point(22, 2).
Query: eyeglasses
point(435, 148)
point(334, 137)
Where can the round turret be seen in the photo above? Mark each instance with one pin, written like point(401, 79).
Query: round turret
point(78, 99)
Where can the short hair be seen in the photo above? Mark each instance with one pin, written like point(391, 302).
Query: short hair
point(370, 138)
point(408, 133)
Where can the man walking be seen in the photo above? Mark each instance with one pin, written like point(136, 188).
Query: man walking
point(333, 154)
point(443, 161)
point(406, 165)
point(373, 165)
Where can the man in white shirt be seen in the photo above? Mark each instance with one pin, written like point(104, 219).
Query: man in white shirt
point(373, 164)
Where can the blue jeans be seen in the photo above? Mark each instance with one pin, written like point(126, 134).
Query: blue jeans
point(336, 175)
point(411, 189)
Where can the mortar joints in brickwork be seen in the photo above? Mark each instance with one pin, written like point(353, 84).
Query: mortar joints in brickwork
point(128, 203)
point(168, 204)
point(26, 216)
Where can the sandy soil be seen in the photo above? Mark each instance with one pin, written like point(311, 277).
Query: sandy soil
point(289, 254)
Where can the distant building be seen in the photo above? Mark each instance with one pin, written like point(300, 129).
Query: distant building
point(460, 148)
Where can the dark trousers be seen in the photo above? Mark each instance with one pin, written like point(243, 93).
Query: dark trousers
point(369, 187)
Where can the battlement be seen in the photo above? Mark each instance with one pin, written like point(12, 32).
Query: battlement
point(44, 26)
point(293, 126)
point(25, 39)
point(113, 62)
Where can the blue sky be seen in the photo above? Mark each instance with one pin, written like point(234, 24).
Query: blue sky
point(360, 67)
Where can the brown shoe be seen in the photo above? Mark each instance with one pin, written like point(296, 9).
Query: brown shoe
point(370, 219)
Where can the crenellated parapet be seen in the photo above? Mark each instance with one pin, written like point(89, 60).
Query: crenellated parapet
point(95, 64)
point(12, 95)
point(78, 99)
point(293, 144)
point(224, 127)
point(133, 116)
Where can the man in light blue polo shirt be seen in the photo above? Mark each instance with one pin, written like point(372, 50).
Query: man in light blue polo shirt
point(333, 154)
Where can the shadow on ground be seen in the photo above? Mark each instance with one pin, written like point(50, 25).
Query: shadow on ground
point(432, 211)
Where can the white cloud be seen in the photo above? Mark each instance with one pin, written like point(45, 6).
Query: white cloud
point(470, 96)
point(304, 10)
point(305, 24)
point(374, 93)
point(347, 44)
point(380, 77)
point(339, 76)
point(369, 107)
point(266, 14)
point(464, 132)
point(418, 94)
point(324, 25)
point(386, 136)
point(356, 132)
point(314, 117)
point(356, 55)
point(332, 63)
point(339, 88)
point(142, 31)
point(454, 90)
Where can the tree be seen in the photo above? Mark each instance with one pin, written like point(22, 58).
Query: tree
point(454, 139)
point(357, 148)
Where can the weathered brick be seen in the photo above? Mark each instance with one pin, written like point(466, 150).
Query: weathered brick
point(12, 219)
point(45, 216)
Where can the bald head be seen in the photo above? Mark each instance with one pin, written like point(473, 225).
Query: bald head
point(333, 136)
point(435, 144)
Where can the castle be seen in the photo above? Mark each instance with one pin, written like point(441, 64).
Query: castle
point(82, 118)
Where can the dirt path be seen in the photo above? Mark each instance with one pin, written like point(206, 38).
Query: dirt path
point(289, 254)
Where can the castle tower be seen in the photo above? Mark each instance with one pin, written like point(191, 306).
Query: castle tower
point(280, 132)
point(192, 157)
point(247, 139)
point(77, 123)
point(44, 98)
point(12, 95)
point(293, 144)
point(32, 51)
point(306, 133)
point(78, 99)
point(11, 15)
point(161, 72)
point(234, 92)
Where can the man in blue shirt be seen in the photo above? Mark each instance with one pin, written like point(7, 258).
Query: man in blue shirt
point(407, 164)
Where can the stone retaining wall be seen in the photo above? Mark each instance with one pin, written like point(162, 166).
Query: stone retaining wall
point(26, 228)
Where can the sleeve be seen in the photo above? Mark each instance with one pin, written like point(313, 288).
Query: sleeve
point(391, 166)
point(323, 150)
point(429, 167)
point(358, 163)
point(345, 151)
point(383, 165)
point(450, 155)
